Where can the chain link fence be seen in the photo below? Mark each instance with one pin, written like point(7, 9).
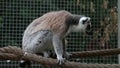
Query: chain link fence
point(16, 15)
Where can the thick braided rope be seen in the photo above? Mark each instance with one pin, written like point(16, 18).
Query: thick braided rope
point(94, 53)
point(14, 53)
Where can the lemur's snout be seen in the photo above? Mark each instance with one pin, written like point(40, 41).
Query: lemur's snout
point(88, 27)
point(89, 30)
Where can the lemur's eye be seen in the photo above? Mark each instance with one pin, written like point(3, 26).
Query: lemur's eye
point(84, 21)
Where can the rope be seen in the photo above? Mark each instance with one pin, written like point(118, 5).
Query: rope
point(14, 53)
point(94, 53)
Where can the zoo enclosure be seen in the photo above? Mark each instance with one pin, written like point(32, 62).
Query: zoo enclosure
point(16, 15)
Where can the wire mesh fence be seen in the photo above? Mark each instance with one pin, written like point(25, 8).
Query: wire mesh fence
point(16, 15)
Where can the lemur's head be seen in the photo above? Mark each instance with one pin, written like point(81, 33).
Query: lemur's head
point(84, 25)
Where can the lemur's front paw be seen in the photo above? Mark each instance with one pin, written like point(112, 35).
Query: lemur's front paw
point(67, 55)
point(61, 60)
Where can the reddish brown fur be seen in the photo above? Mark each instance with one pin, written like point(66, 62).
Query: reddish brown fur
point(53, 21)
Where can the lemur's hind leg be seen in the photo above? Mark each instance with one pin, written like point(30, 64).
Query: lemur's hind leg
point(27, 64)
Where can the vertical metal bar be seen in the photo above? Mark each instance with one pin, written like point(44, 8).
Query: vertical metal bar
point(119, 29)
